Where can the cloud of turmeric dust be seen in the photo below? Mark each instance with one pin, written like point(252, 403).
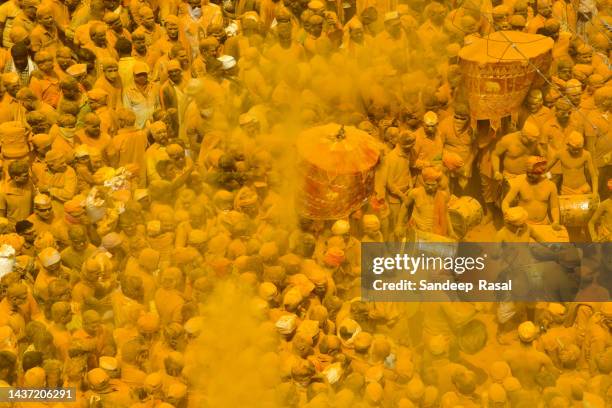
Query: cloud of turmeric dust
point(233, 363)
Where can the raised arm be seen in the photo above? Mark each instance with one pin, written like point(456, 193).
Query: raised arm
point(500, 149)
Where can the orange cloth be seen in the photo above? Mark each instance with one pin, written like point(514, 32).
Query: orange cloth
point(47, 89)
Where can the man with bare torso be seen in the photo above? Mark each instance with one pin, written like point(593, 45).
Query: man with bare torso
point(575, 163)
point(600, 224)
point(515, 148)
point(536, 194)
point(430, 210)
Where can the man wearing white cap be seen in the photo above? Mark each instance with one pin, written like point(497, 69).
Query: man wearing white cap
point(51, 268)
point(43, 217)
point(392, 37)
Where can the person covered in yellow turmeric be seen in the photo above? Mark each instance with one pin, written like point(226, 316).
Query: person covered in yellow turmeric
point(600, 224)
point(576, 165)
point(430, 207)
point(59, 181)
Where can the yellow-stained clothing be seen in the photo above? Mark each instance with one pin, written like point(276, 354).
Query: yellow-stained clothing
point(169, 304)
point(16, 201)
point(61, 187)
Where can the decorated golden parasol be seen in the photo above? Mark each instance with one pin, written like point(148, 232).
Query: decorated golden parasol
point(335, 169)
point(500, 68)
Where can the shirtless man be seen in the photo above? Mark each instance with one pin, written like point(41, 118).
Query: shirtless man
point(536, 194)
point(396, 168)
point(428, 142)
point(524, 360)
point(430, 211)
point(515, 148)
point(600, 224)
point(574, 161)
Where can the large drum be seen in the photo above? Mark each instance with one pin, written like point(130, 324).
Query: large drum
point(427, 243)
point(465, 213)
point(577, 210)
point(335, 170)
point(500, 68)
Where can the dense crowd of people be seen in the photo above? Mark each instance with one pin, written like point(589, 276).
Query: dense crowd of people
point(148, 176)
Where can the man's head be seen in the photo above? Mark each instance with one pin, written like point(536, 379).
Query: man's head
point(544, 8)
point(159, 132)
point(30, 8)
point(113, 20)
point(430, 123)
point(97, 98)
point(97, 33)
point(515, 217)
point(584, 54)
point(28, 99)
point(123, 46)
point(534, 101)
point(603, 98)
point(563, 110)
point(50, 259)
point(436, 13)
point(461, 115)
point(55, 161)
point(92, 125)
point(139, 41)
point(564, 69)
point(70, 88)
point(42, 207)
point(147, 18)
point(552, 28)
point(172, 27)
point(536, 167)
point(406, 141)
point(393, 25)
point(573, 91)
point(92, 322)
point(44, 16)
point(141, 73)
point(530, 133)
point(575, 143)
point(175, 72)
point(19, 172)
point(61, 312)
point(110, 70)
point(44, 61)
point(78, 238)
point(431, 179)
point(26, 230)
point(17, 295)
point(355, 31)
point(19, 52)
point(369, 15)
point(527, 332)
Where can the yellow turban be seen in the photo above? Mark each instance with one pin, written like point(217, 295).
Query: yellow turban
point(431, 174)
point(575, 140)
point(516, 216)
point(527, 331)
